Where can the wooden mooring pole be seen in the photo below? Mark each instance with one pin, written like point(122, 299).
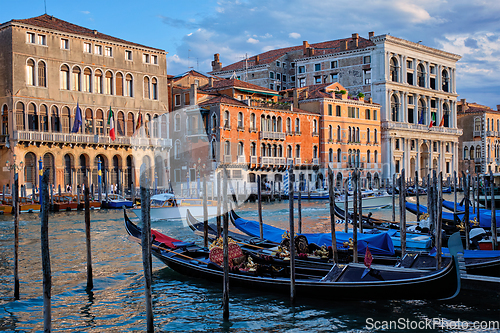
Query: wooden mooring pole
point(90, 282)
point(355, 216)
point(146, 252)
point(466, 185)
point(299, 207)
point(439, 227)
point(332, 215)
point(259, 207)
point(360, 205)
point(44, 240)
point(394, 198)
point(493, 214)
point(292, 235)
point(346, 207)
point(225, 292)
point(219, 204)
point(417, 190)
point(15, 202)
point(402, 213)
point(205, 213)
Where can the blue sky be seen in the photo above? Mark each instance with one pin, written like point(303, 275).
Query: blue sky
point(192, 31)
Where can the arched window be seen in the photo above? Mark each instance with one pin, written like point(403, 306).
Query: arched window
point(65, 119)
point(280, 151)
point(48, 164)
point(368, 156)
point(367, 135)
point(30, 72)
point(253, 149)
point(315, 152)
point(177, 122)
point(147, 94)
point(99, 122)
point(466, 153)
point(269, 151)
point(42, 74)
point(350, 135)
point(76, 75)
point(227, 120)
point(252, 122)
point(262, 150)
point(315, 126)
point(394, 68)
point(129, 85)
point(421, 75)
point(130, 124)
point(241, 151)
point(44, 118)
point(375, 136)
point(446, 117)
point(297, 125)
point(109, 83)
point(288, 125)
point(339, 155)
point(64, 77)
point(330, 132)
point(240, 120)
point(32, 117)
point(20, 116)
point(445, 81)
point(478, 152)
point(330, 155)
point(297, 151)
point(98, 82)
point(422, 110)
point(87, 80)
point(119, 84)
point(30, 168)
point(55, 120)
point(227, 148)
point(394, 108)
point(375, 159)
point(289, 151)
point(274, 124)
point(280, 125)
point(367, 114)
point(120, 124)
point(358, 140)
point(154, 88)
point(177, 149)
point(156, 127)
point(471, 152)
point(214, 123)
point(339, 131)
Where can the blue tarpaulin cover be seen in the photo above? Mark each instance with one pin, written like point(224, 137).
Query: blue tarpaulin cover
point(380, 244)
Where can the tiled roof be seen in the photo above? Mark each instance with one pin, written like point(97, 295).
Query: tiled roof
point(222, 99)
point(227, 83)
point(192, 73)
point(51, 22)
point(329, 47)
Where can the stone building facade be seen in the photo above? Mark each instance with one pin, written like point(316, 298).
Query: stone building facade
point(479, 145)
point(49, 67)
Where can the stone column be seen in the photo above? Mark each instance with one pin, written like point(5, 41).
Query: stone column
point(428, 106)
point(427, 75)
point(403, 70)
point(414, 71)
point(439, 78)
point(453, 79)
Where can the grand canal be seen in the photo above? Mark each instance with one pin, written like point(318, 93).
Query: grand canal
point(181, 304)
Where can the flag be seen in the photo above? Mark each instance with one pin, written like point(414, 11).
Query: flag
point(441, 124)
point(139, 121)
point(111, 124)
point(78, 120)
point(431, 124)
point(421, 120)
point(368, 258)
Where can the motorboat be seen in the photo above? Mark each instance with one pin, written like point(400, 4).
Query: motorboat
point(166, 206)
point(371, 199)
point(116, 201)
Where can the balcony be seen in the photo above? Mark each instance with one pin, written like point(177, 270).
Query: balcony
point(298, 161)
point(228, 159)
point(289, 161)
point(241, 128)
point(252, 129)
point(227, 127)
point(289, 133)
point(315, 134)
point(298, 133)
point(89, 139)
point(266, 160)
point(421, 128)
point(242, 159)
point(477, 133)
point(491, 133)
point(254, 159)
point(477, 160)
point(315, 161)
point(272, 135)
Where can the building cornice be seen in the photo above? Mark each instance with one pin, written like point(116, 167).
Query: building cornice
point(337, 54)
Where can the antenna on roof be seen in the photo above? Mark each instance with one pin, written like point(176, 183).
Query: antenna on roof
point(45, 5)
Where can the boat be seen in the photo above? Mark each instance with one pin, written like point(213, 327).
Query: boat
point(116, 201)
point(370, 199)
point(5, 209)
point(26, 204)
point(380, 244)
point(342, 282)
point(166, 206)
point(445, 216)
point(64, 202)
point(484, 214)
point(313, 195)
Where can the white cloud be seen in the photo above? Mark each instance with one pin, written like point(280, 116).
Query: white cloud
point(252, 40)
point(414, 13)
point(294, 35)
point(86, 12)
point(189, 34)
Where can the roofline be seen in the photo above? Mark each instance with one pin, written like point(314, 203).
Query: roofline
point(60, 32)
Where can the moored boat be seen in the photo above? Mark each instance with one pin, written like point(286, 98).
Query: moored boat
point(116, 201)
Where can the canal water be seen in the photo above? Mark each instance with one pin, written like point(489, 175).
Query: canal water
point(181, 304)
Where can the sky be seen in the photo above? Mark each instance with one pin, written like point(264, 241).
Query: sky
point(192, 31)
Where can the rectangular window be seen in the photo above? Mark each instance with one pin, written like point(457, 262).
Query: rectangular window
point(145, 58)
point(409, 64)
point(42, 40)
point(278, 64)
point(317, 79)
point(186, 99)
point(302, 69)
point(293, 65)
point(278, 76)
point(317, 67)
point(334, 64)
point(271, 75)
point(30, 38)
point(128, 55)
point(330, 110)
point(367, 59)
point(98, 49)
point(334, 77)
point(271, 86)
point(292, 79)
point(87, 47)
point(447, 167)
point(154, 59)
point(302, 82)
point(284, 65)
point(410, 99)
point(368, 76)
point(177, 100)
point(338, 111)
point(177, 173)
point(397, 144)
point(108, 51)
point(284, 78)
point(64, 44)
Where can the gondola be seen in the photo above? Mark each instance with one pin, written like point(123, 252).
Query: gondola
point(343, 282)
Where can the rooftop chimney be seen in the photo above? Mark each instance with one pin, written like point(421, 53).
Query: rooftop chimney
point(257, 59)
point(193, 95)
point(371, 34)
point(305, 46)
point(355, 39)
point(216, 64)
point(343, 45)
point(498, 107)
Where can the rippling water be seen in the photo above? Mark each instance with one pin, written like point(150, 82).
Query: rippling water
point(180, 304)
